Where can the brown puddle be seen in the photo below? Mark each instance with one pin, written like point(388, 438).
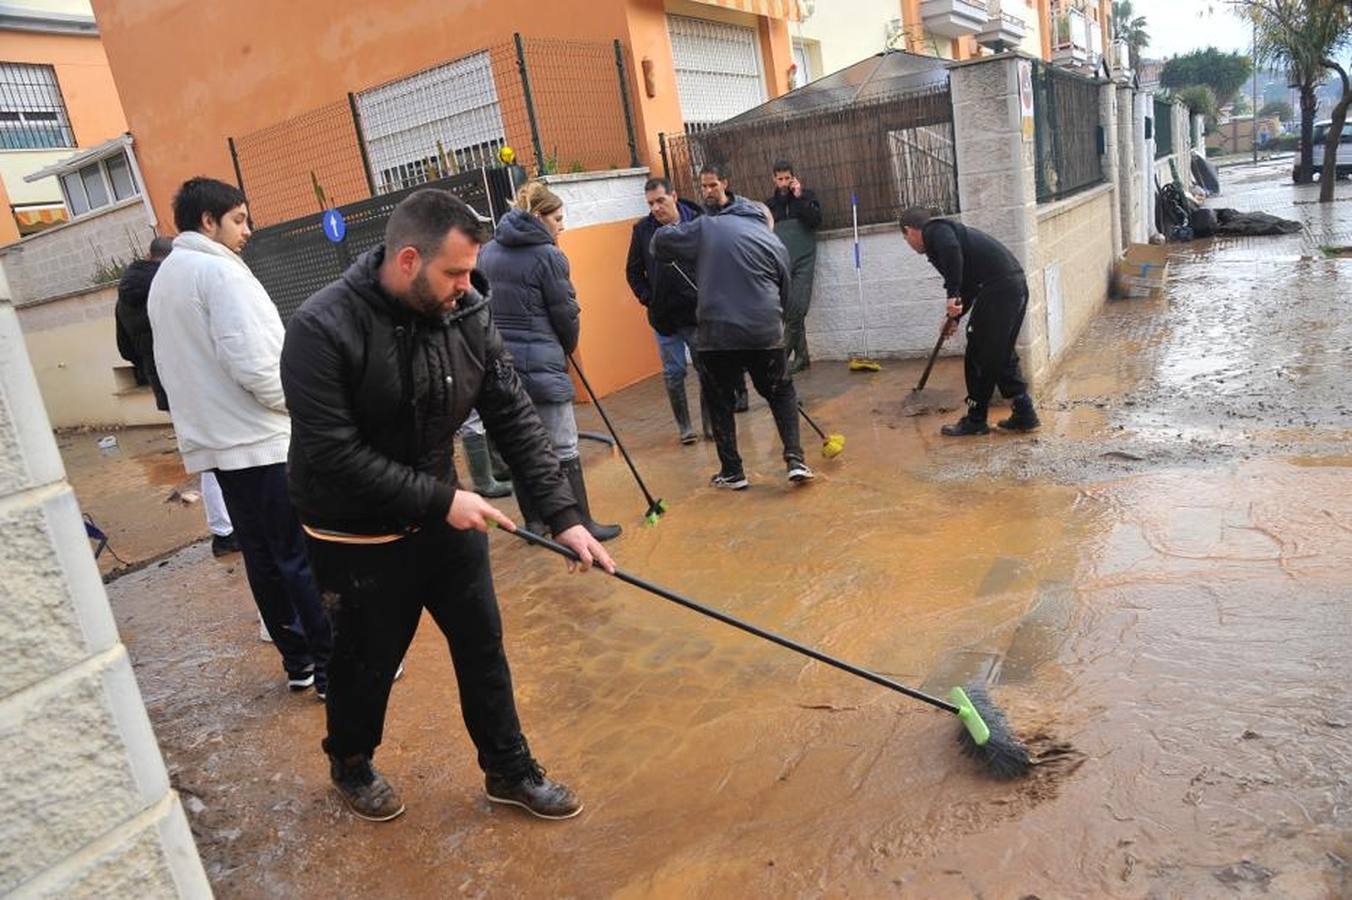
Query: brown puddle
point(1159, 597)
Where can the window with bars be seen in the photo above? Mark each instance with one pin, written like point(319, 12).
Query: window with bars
point(32, 113)
point(101, 183)
point(432, 124)
point(718, 69)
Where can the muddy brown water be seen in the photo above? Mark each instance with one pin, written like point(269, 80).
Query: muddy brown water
point(1168, 627)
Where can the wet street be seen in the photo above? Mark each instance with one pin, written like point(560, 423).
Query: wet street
point(1156, 584)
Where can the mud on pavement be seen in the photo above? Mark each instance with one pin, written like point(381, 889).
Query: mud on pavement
point(1156, 583)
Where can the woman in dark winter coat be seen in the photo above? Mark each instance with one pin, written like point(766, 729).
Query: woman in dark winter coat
point(535, 309)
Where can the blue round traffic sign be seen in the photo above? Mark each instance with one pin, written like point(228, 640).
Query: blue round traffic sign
point(335, 226)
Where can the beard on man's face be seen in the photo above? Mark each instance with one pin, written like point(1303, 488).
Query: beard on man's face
point(422, 299)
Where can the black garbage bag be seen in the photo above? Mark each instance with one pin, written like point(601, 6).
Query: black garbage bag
point(1233, 223)
point(1203, 222)
point(1205, 174)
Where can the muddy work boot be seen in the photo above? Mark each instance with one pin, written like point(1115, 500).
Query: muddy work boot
point(573, 470)
point(364, 790)
point(533, 792)
point(1024, 417)
point(966, 426)
point(680, 410)
point(481, 467)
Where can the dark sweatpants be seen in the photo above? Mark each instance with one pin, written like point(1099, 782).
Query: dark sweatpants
point(992, 332)
point(271, 540)
point(375, 594)
point(769, 373)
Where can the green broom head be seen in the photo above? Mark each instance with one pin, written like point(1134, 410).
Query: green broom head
point(986, 735)
point(655, 512)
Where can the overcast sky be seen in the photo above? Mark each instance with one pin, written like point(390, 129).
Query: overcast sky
point(1177, 26)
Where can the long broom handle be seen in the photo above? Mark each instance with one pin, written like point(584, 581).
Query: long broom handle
point(938, 345)
point(859, 272)
point(611, 428)
point(820, 433)
point(645, 585)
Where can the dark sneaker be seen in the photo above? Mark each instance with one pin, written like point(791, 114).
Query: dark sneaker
point(1025, 421)
point(299, 681)
point(364, 790)
point(735, 482)
point(535, 793)
point(688, 436)
point(964, 427)
point(799, 472)
point(224, 544)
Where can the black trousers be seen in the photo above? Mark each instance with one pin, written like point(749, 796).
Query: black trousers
point(375, 595)
point(271, 540)
point(769, 373)
point(992, 332)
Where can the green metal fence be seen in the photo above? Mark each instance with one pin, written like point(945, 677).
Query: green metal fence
point(1069, 138)
point(1164, 128)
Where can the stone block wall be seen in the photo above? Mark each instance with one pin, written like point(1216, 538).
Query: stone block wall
point(65, 259)
point(86, 808)
point(1075, 256)
point(903, 303)
point(595, 198)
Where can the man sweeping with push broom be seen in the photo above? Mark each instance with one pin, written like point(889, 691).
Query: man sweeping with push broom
point(980, 276)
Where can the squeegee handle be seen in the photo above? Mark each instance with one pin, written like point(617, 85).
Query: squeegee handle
point(645, 585)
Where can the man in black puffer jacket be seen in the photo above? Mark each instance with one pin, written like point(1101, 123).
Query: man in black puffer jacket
point(135, 341)
point(380, 369)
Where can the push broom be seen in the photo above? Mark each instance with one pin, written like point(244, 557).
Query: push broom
point(656, 506)
point(833, 445)
point(985, 734)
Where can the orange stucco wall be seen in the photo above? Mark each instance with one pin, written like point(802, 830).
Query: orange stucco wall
point(83, 73)
point(616, 347)
point(9, 228)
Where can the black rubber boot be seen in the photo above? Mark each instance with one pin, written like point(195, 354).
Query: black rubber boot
point(680, 409)
point(500, 470)
point(966, 426)
point(573, 469)
point(530, 515)
point(481, 467)
point(1024, 417)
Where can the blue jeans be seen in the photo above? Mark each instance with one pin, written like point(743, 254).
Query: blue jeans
point(672, 350)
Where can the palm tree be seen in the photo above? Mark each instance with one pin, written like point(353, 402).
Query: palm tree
point(1131, 29)
point(1303, 37)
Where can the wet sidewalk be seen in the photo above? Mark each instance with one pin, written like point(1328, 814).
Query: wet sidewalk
point(1157, 581)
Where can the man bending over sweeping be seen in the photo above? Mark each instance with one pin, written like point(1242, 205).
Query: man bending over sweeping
point(380, 369)
point(980, 276)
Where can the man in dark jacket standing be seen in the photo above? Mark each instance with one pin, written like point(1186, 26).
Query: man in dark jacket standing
point(797, 216)
point(380, 369)
point(135, 340)
point(668, 297)
point(743, 280)
point(983, 277)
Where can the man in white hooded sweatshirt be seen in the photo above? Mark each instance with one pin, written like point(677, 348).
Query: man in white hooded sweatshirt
point(218, 346)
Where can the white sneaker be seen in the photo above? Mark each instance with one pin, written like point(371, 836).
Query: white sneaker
point(736, 482)
point(799, 472)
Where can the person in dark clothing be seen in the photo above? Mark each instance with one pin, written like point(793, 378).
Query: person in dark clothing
point(668, 297)
point(380, 368)
point(535, 308)
point(980, 276)
point(797, 217)
point(135, 341)
point(742, 273)
point(713, 188)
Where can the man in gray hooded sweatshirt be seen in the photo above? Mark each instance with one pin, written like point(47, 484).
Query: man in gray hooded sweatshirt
point(743, 281)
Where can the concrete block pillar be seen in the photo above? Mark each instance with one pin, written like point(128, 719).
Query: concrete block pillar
point(1128, 198)
point(997, 177)
point(1145, 166)
point(1111, 162)
point(85, 803)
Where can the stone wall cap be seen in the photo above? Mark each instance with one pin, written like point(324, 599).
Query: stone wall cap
point(599, 175)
